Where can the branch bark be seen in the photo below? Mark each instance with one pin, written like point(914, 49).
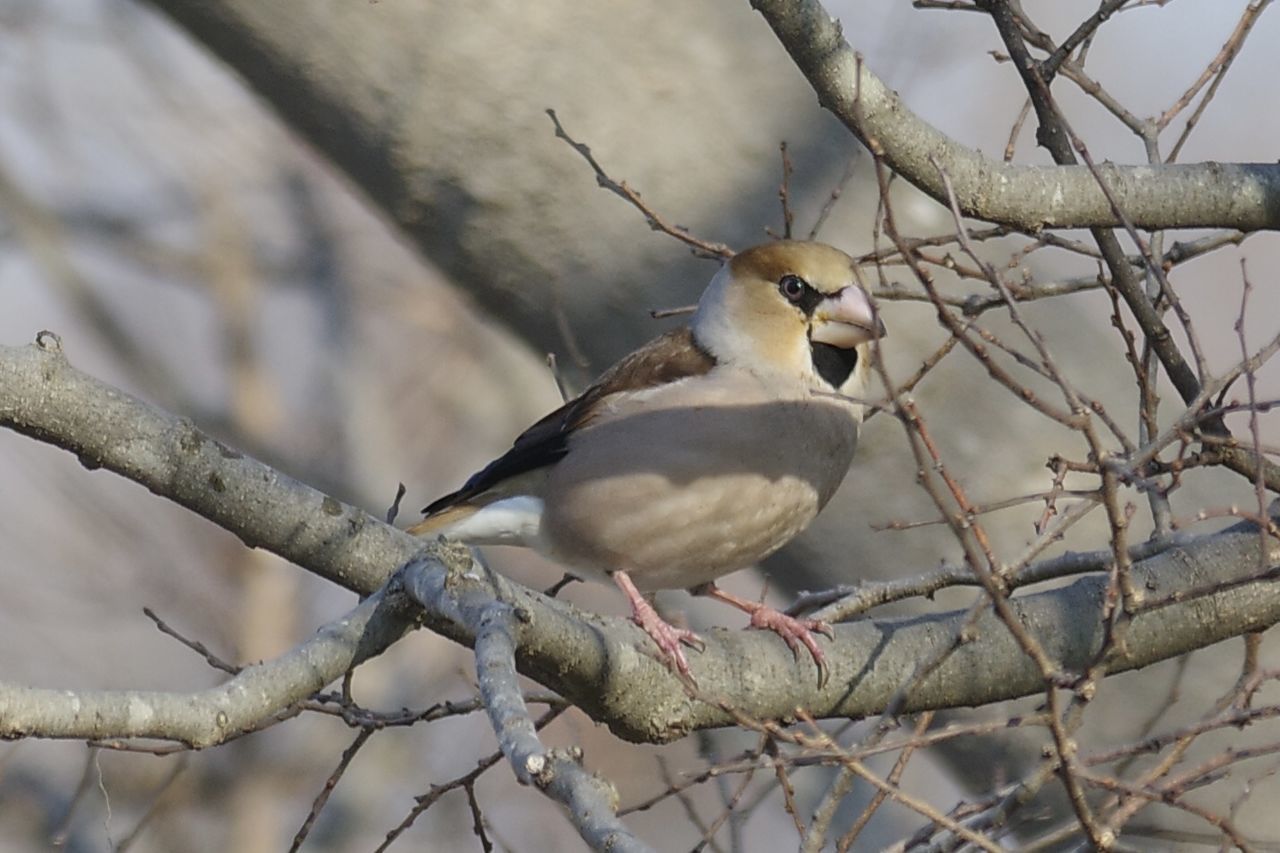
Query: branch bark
point(1215, 587)
point(1232, 195)
point(591, 800)
point(209, 717)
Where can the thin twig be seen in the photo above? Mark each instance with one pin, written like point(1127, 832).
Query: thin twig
point(704, 248)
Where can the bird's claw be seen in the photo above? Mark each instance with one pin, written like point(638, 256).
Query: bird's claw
point(667, 636)
point(795, 632)
point(668, 639)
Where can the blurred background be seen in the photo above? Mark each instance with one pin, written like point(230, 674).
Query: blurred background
point(388, 321)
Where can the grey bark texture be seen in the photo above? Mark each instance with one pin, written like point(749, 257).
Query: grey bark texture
point(1197, 594)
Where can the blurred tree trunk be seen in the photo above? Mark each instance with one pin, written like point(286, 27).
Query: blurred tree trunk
point(437, 112)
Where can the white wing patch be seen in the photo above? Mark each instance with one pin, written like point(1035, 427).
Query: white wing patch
point(510, 521)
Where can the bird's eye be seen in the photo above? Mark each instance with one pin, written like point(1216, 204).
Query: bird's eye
point(793, 287)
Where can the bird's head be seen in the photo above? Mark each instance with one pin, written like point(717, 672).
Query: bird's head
point(791, 307)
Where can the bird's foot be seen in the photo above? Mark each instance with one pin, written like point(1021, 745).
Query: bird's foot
point(554, 590)
point(793, 631)
point(667, 636)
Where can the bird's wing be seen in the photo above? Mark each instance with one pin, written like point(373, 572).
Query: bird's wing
point(666, 359)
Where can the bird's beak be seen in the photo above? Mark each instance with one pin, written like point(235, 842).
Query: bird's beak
point(846, 319)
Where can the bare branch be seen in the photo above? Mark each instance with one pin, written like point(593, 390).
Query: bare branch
point(1224, 195)
point(651, 216)
point(592, 802)
point(205, 717)
point(593, 661)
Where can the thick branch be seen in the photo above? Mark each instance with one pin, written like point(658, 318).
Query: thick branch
point(1054, 136)
point(600, 663)
point(205, 718)
point(1236, 195)
point(42, 396)
point(591, 800)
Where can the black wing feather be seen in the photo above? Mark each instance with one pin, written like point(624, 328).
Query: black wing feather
point(545, 442)
point(669, 358)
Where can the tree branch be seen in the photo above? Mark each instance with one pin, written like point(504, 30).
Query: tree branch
point(205, 718)
point(591, 801)
point(1234, 195)
point(1208, 590)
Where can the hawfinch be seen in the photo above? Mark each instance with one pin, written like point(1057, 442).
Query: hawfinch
point(702, 452)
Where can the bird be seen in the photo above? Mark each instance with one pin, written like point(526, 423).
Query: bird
point(701, 453)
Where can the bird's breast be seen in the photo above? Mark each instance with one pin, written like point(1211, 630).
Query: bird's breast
point(679, 495)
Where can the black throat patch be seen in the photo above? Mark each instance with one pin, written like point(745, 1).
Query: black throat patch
point(833, 363)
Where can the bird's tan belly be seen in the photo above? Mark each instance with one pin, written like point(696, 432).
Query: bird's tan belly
point(711, 499)
point(675, 536)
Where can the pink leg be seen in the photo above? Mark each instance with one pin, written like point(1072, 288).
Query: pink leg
point(792, 630)
point(667, 636)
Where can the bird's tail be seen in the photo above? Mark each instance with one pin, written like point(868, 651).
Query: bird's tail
point(440, 522)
